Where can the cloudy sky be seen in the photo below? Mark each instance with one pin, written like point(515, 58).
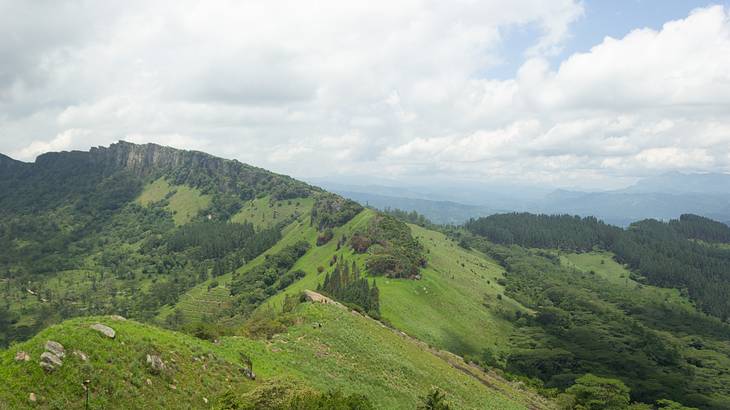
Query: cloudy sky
point(570, 93)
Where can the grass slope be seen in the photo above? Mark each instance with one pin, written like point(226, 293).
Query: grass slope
point(117, 369)
point(457, 283)
point(266, 212)
point(200, 301)
point(184, 202)
point(348, 352)
point(605, 266)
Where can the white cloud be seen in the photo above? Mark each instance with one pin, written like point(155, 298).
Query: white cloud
point(386, 88)
point(60, 142)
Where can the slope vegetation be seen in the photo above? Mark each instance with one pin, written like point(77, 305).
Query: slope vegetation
point(327, 348)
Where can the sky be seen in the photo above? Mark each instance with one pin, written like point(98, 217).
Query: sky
point(590, 94)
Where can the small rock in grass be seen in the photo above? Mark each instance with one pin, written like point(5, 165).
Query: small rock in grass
point(32, 397)
point(81, 355)
point(155, 362)
point(22, 356)
point(173, 387)
point(50, 362)
point(205, 400)
point(105, 330)
point(55, 348)
point(118, 318)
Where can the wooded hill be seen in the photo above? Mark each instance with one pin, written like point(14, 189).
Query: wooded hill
point(214, 262)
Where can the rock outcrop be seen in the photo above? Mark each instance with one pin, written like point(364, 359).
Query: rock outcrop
point(50, 362)
point(104, 330)
point(55, 348)
point(155, 363)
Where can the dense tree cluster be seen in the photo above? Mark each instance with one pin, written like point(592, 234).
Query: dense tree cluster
point(665, 258)
point(544, 231)
point(214, 240)
point(701, 228)
point(661, 253)
point(346, 285)
point(410, 217)
point(330, 211)
point(266, 279)
point(584, 324)
point(392, 250)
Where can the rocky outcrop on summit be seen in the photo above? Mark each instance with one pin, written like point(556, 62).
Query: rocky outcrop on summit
point(198, 169)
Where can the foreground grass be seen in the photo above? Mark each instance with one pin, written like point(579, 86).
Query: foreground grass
point(117, 369)
point(328, 348)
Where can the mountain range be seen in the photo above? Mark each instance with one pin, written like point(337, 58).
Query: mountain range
point(662, 197)
point(138, 275)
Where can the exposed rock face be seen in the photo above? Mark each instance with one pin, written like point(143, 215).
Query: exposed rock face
point(104, 330)
point(143, 159)
point(55, 348)
point(50, 362)
point(22, 356)
point(155, 362)
point(152, 159)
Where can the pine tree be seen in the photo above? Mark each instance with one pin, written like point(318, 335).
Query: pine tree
point(375, 298)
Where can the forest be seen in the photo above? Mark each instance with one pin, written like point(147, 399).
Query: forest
point(672, 254)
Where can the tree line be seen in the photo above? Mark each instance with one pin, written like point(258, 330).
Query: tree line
point(662, 254)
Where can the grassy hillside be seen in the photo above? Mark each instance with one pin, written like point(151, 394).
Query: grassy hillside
point(183, 202)
point(117, 369)
point(328, 348)
point(266, 212)
point(457, 283)
point(604, 264)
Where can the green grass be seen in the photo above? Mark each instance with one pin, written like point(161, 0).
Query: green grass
point(356, 354)
point(455, 305)
point(600, 262)
point(605, 266)
point(155, 191)
point(426, 308)
point(117, 369)
point(348, 352)
point(184, 203)
point(199, 302)
point(266, 212)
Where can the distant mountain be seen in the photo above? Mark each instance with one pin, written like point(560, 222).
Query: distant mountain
point(662, 197)
point(679, 183)
point(440, 212)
